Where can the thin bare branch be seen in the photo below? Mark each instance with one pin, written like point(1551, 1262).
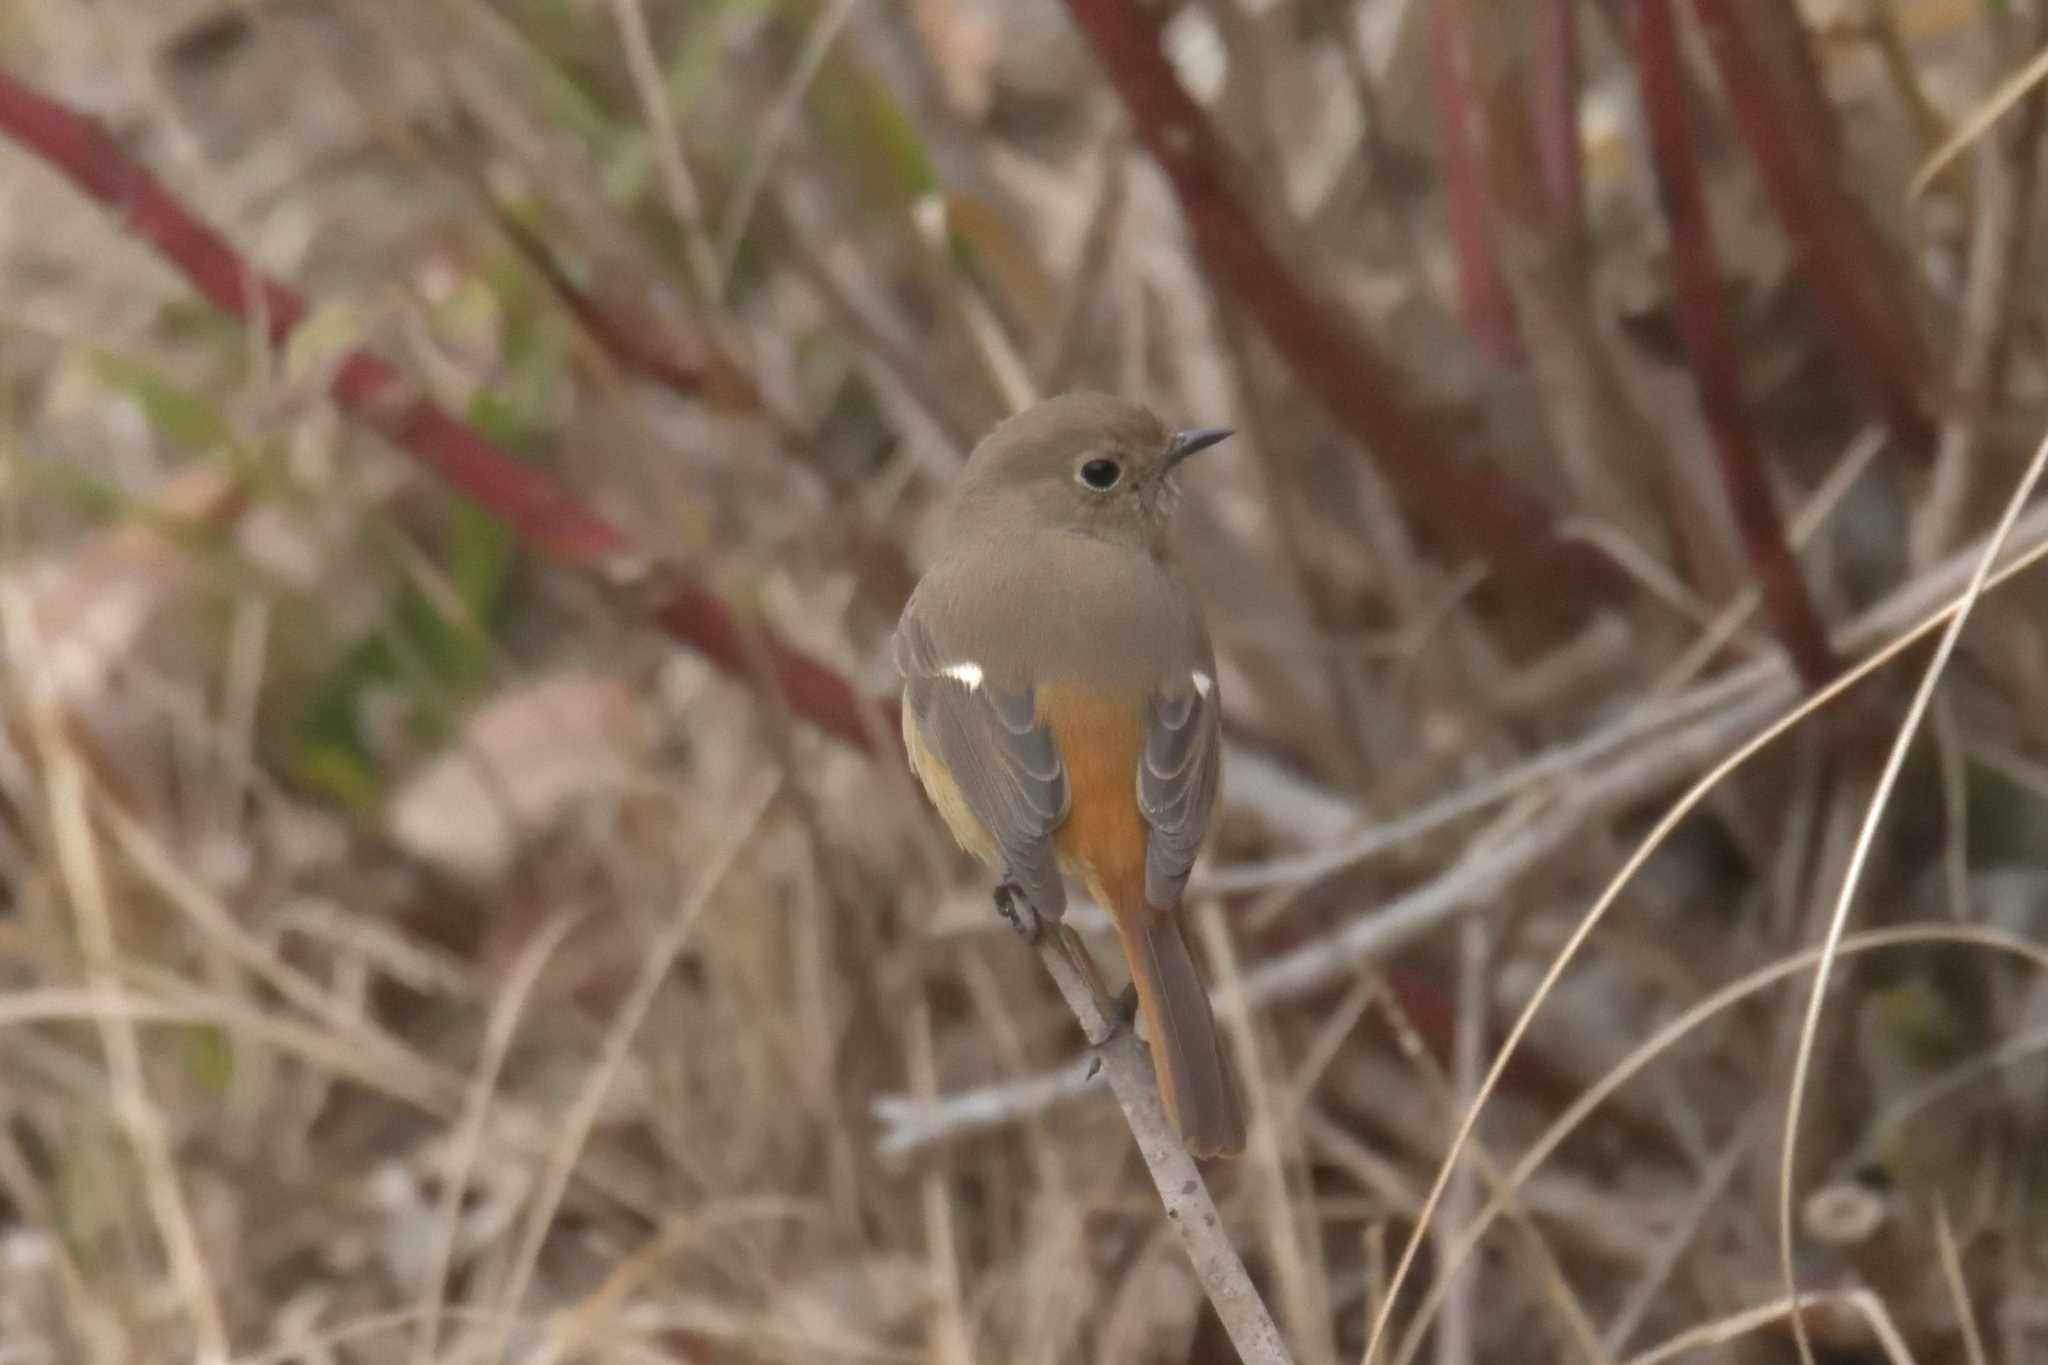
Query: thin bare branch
point(1189, 1207)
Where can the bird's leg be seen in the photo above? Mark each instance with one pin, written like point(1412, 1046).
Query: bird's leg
point(1017, 911)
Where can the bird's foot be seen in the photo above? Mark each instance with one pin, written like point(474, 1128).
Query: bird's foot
point(1017, 911)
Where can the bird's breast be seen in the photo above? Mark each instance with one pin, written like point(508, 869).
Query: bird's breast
point(1101, 735)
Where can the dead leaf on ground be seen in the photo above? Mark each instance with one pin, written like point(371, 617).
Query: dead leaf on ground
point(523, 760)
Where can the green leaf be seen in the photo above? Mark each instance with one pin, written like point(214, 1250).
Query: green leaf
point(211, 1057)
point(174, 412)
point(338, 771)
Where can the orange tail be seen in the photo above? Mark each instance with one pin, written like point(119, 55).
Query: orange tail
point(1193, 1079)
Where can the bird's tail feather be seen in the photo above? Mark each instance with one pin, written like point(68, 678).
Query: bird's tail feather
point(1194, 1080)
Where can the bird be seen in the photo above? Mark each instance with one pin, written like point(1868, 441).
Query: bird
point(1061, 708)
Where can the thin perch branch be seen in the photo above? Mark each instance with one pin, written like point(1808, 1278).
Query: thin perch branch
point(539, 509)
point(1181, 1188)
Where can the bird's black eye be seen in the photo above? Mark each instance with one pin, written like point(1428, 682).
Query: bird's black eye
point(1101, 475)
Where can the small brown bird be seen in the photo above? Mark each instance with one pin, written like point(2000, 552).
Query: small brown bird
point(1060, 705)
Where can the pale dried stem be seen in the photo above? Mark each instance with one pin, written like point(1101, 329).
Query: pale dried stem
point(1671, 1035)
point(1995, 106)
point(1544, 1267)
point(1270, 1149)
point(659, 957)
point(677, 184)
point(776, 130)
point(1714, 1182)
point(467, 1141)
point(1727, 707)
point(1958, 1286)
point(953, 1342)
point(1723, 1330)
point(84, 880)
point(1656, 837)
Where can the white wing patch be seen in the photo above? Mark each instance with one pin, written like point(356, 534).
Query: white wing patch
point(1204, 684)
point(966, 673)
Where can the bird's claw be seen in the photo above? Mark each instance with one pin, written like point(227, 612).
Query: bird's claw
point(1018, 912)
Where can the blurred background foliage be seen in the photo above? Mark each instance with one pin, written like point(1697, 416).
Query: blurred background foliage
point(407, 955)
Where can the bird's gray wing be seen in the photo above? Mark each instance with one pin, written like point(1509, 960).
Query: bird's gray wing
point(1005, 764)
point(1177, 782)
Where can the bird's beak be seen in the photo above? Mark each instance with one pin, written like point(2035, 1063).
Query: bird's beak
point(1186, 443)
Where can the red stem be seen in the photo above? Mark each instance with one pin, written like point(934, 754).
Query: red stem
point(1466, 505)
point(1710, 343)
point(1556, 97)
point(1483, 298)
point(1877, 349)
point(544, 514)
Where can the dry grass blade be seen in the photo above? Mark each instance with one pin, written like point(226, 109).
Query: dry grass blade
point(775, 135)
point(1270, 1148)
point(368, 990)
point(1545, 1267)
point(659, 958)
point(1657, 1272)
point(676, 181)
point(84, 880)
point(1662, 1041)
point(506, 1013)
point(1721, 1331)
point(1859, 855)
point(1958, 1286)
point(1647, 846)
point(1995, 107)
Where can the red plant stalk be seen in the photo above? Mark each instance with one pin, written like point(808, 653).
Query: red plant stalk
point(1710, 343)
point(1484, 302)
point(1878, 346)
point(1556, 99)
point(541, 511)
point(1469, 506)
